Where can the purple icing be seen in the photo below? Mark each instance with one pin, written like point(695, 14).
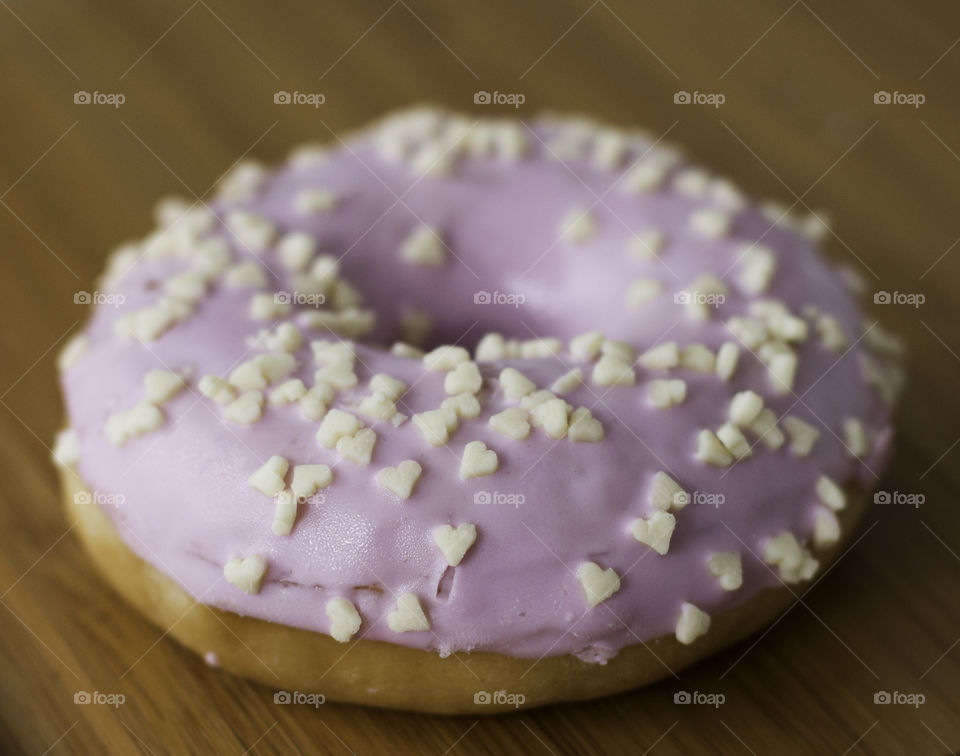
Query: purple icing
point(189, 509)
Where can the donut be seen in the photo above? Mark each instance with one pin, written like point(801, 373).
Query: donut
point(534, 411)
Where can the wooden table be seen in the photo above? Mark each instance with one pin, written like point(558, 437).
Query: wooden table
point(799, 123)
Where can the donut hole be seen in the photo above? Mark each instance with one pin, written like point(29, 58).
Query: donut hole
point(445, 584)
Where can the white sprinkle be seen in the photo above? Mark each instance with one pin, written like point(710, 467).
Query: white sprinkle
point(712, 223)
point(664, 394)
point(436, 425)
point(666, 493)
point(586, 347)
point(401, 479)
point(217, 389)
point(515, 384)
point(478, 460)
point(655, 531)
point(344, 619)
point(465, 405)
point(567, 382)
point(711, 450)
point(692, 623)
point(611, 371)
point(455, 542)
point(357, 448)
point(661, 357)
point(643, 290)
point(598, 584)
point(336, 424)
point(308, 479)
point(727, 568)
point(802, 435)
point(830, 493)
point(731, 437)
point(246, 573)
point(161, 385)
point(284, 513)
point(855, 437)
point(578, 226)
point(408, 616)
point(826, 528)
point(310, 201)
point(744, 408)
point(268, 480)
point(296, 249)
point(727, 357)
point(445, 357)
point(465, 378)
point(646, 245)
point(423, 247)
point(512, 422)
point(584, 428)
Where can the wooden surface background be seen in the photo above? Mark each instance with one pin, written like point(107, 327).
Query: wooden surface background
point(799, 123)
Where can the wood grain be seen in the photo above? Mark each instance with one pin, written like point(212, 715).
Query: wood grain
point(799, 121)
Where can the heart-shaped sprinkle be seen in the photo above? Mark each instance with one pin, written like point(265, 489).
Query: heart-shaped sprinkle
point(401, 479)
point(693, 623)
point(511, 422)
point(465, 378)
point(478, 460)
point(336, 424)
point(454, 542)
point(465, 405)
point(515, 384)
point(666, 493)
point(584, 427)
point(246, 409)
point(390, 387)
point(344, 619)
point(551, 415)
point(598, 584)
point(246, 572)
point(268, 480)
point(308, 479)
point(727, 567)
point(655, 531)
point(436, 425)
point(408, 616)
point(377, 406)
point(358, 448)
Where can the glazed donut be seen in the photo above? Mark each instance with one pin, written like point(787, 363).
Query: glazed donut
point(541, 408)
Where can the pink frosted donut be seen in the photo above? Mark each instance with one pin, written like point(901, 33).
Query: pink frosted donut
point(642, 401)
